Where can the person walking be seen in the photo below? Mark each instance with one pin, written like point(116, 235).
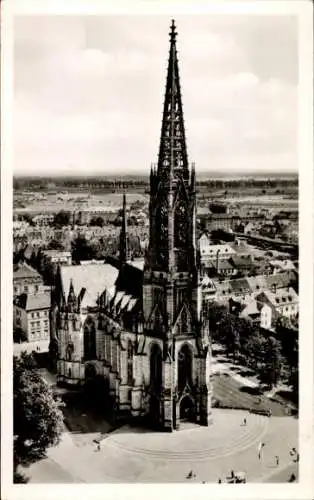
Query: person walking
point(219, 480)
point(244, 422)
point(259, 449)
point(277, 460)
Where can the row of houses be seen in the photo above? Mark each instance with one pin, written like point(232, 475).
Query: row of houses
point(261, 298)
point(236, 259)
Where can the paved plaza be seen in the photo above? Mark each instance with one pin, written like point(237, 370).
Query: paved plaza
point(139, 455)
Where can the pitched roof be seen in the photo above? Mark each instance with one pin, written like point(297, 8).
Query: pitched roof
point(282, 297)
point(94, 278)
point(240, 285)
point(242, 260)
point(23, 270)
point(33, 302)
point(257, 283)
point(281, 280)
point(250, 308)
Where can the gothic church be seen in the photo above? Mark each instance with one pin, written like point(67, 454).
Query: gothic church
point(141, 326)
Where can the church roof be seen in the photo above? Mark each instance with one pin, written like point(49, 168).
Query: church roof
point(95, 278)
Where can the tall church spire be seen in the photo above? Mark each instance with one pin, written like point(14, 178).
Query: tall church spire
point(123, 235)
point(172, 188)
point(172, 159)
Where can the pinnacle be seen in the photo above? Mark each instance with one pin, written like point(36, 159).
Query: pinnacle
point(173, 32)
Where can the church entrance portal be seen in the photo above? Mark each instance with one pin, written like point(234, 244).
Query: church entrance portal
point(155, 383)
point(187, 409)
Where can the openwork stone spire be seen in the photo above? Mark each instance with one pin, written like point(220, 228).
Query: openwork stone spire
point(172, 160)
point(123, 235)
point(172, 186)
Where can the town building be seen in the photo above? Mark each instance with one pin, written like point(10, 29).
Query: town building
point(26, 280)
point(43, 220)
point(144, 331)
point(282, 302)
point(31, 319)
point(59, 257)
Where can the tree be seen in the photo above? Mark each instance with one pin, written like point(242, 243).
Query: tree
point(81, 250)
point(55, 244)
point(97, 221)
point(270, 369)
point(37, 422)
point(254, 350)
point(61, 219)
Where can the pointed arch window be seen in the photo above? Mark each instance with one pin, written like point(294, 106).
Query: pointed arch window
point(185, 361)
point(89, 340)
point(130, 363)
point(180, 228)
point(156, 369)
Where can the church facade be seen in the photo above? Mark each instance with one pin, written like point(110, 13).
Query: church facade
point(141, 327)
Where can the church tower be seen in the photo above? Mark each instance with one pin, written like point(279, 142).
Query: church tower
point(123, 250)
point(172, 302)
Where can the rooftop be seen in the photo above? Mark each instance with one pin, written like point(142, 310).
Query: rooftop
point(33, 302)
point(23, 270)
point(94, 278)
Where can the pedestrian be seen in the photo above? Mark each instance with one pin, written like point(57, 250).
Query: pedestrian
point(259, 449)
point(292, 478)
point(244, 422)
point(277, 460)
point(219, 480)
point(232, 474)
point(98, 447)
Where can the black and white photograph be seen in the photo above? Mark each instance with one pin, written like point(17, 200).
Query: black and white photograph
point(156, 211)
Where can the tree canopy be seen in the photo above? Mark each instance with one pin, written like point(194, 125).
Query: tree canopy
point(97, 221)
point(61, 219)
point(37, 422)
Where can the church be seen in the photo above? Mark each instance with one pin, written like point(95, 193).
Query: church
point(141, 327)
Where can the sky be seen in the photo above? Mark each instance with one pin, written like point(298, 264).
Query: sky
point(88, 92)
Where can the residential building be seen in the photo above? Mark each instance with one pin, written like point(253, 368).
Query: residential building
point(26, 280)
point(31, 319)
point(282, 302)
point(45, 219)
point(59, 257)
point(244, 264)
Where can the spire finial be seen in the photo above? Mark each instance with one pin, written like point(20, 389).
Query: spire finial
point(173, 32)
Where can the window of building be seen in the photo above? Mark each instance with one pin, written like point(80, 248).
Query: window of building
point(32, 315)
point(46, 313)
point(26, 289)
point(37, 314)
point(15, 289)
point(36, 288)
